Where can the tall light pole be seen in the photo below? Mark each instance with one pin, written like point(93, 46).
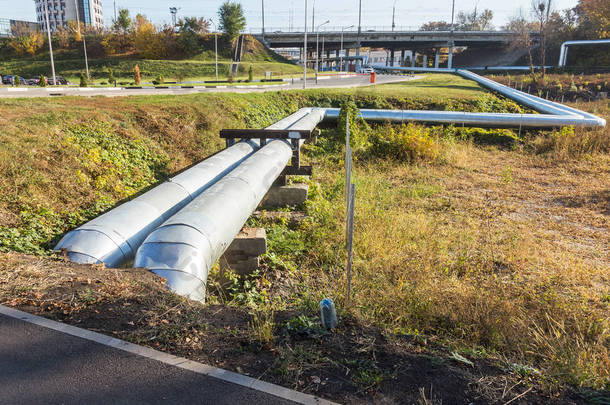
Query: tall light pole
point(393, 14)
point(46, 13)
point(313, 15)
point(305, 50)
point(263, 14)
point(341, 55)
point(450, 56)
point(83, 38)
point(215, 46)
point(317, 48)
point(359, 32)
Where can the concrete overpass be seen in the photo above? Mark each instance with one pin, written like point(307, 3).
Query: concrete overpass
point(426, 44)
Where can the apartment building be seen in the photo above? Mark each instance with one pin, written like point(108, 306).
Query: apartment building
point(62, 11)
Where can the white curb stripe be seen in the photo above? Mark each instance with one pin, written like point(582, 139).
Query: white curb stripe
point(169, 359)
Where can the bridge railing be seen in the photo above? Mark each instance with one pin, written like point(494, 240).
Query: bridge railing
point(330, 28)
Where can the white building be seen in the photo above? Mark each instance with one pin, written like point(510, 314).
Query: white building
point(62, 11)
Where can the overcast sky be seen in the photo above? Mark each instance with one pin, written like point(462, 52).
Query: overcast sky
point(278, 12)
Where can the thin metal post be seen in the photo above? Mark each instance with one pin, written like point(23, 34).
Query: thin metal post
point(263, 10)
point(305, 50)
point(83, 38)
point(350, 241)
point(46, 13)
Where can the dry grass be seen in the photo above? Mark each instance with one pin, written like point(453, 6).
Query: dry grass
point(504, 251)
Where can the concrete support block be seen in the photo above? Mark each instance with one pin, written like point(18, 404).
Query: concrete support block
point(425, 61)
point(391, 57)
point(242, 256)
point(294, 194)
point(437, 59)
point(413, 57)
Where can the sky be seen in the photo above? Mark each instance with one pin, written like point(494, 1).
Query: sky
point(278, 14)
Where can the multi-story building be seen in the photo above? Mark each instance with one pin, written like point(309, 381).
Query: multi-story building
point(62, 11)
point(9, 28)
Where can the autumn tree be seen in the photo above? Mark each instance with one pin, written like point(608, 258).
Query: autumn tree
point(475, 21)
point(593, 18)
point(541, 10)
point(25, 40)
point(232, 20)
point(436, 26)
point(123, 21)
point(136, 75)
point(146, 40)
point(522, 37)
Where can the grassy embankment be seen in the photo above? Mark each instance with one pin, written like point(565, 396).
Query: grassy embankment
point(70, 65)
point(487, 243)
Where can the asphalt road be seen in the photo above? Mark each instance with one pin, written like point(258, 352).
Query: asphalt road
point(357, 81)
point(42, 366)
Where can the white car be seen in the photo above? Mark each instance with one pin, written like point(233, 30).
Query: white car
point(367, 70)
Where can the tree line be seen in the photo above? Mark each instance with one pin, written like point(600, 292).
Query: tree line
point(139, 36)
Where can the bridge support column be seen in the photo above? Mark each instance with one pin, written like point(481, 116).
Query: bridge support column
point(391, 57)
point(450, 60)
point(402, 57)
point(337, 59)
point(425, 63)
point(436, 58)
point(346, 60)
point(358, 63)
point(413, 57)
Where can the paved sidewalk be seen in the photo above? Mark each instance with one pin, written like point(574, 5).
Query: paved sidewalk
point(328, 82)
point(42, 365)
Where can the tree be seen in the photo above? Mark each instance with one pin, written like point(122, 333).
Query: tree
point(542, 11)
point(522, 29)
point(136, 75)
point(232, 20)
point(474, 21)
point(436, 26)
point(594, 18)
point(147, 42)
point(123, 21)
point(25, 40)
point(189, 33)
point(111, 79)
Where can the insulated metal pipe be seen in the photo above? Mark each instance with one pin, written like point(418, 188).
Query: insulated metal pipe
point(185, 247)
point(563, 52)
point(114, 237)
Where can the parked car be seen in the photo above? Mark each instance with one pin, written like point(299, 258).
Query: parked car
point(60, 80)
point(33, 81)
point(10, 80)
point(367, 69)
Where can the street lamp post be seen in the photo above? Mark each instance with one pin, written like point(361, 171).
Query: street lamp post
point(263, 11)
point(393, 14)
point(341, 55)
point(359, 32)
point(450, 56)
point(215, 46)
point(46, 13)
point(317, 48)
point(83, 38)
point(305, 49)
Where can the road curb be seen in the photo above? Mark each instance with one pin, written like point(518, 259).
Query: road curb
point(199, 368)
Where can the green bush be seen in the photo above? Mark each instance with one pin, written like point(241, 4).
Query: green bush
point(358, 128)
point(408, 142)
point(42, 81)
point(83, 80)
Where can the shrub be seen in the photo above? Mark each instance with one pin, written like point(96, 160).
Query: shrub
point(358, 128)
point(136, 75)
point(159, 80)
point(42, 81)
point(83, 80)
point(250, 74)
point(408, 142)
point(111, 78)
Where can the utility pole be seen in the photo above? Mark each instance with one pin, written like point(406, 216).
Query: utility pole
point(263, 13)
point(305, 50)
point(215, 46)
point(341, 55)
point(393, 14)
point(450, 56)
point(115, 17)
point(359, 32)
point(46, 13)
point(83, 38)
point(313, 15)
point(317, 48)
